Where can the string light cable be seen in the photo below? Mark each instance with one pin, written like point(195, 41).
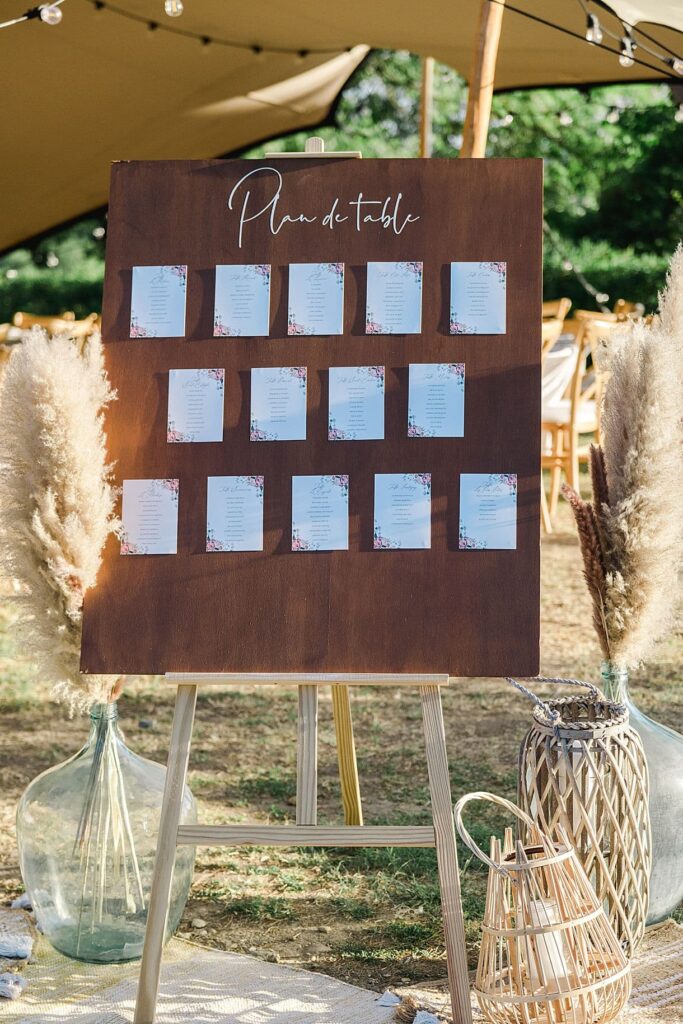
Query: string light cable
point(50, 13)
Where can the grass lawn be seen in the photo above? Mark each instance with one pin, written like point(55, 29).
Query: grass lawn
point(367, 916)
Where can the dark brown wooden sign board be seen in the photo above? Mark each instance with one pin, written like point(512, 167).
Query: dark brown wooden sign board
point(468, 613)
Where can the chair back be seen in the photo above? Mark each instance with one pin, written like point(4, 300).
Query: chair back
point(556, 309)
point(587, 385)
point(65, 323)
point(550, 332)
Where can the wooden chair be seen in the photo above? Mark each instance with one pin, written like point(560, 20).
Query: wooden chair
point(624, 309)
point(556, 309)
point(577, 414)
point(550, 332)
point(65, 323)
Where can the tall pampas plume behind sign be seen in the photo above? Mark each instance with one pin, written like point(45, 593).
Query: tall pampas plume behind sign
point(57, 501)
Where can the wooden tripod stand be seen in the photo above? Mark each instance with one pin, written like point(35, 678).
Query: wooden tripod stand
point(306, 832)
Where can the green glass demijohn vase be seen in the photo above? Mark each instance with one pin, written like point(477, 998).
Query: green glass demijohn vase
point(87, 833)
point(664, 755)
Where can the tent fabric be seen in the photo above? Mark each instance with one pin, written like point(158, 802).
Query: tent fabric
point(100, 87)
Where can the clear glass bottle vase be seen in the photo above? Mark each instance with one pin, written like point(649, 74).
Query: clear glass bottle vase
point(87, 833)
point(664, 754)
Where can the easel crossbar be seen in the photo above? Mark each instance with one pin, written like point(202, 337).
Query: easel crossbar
point(304, 679)
point(305, 835)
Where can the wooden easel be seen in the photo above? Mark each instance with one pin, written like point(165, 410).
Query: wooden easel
point(306, 832)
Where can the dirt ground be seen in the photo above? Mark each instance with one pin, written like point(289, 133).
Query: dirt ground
point(370, 917)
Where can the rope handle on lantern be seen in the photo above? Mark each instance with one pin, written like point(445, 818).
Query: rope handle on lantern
point(467, 838)
point(552, 715)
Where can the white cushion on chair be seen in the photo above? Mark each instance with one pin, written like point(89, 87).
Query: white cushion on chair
point(559, 412)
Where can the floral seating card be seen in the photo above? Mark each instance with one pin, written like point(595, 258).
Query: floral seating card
point(436, 400)
point(356, 403)
point(316, 298)
point(150, 517)
point(394, 298)
point(478, 298)
point(195, 405)
point(157, 308)
point(320, 513)
point(234, 513)
point(488, 511)
point(278, 404)
point(242, 300)
point(403, 510)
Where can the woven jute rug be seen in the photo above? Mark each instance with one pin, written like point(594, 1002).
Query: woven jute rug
point(207, 986)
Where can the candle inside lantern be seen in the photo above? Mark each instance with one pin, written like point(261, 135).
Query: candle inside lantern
point(548, 965)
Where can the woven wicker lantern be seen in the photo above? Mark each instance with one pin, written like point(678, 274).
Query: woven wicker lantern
point(548, 953)
point(582, 767)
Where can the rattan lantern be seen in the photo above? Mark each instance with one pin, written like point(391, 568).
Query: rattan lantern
point(582, 767)
point(548, 953)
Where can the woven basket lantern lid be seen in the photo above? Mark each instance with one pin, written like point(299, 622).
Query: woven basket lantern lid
point(580, 716)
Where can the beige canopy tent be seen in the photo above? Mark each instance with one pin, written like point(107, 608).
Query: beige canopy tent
point(124, 81)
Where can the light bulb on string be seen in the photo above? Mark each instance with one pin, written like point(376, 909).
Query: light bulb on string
point(174, 8)
point(678, 116)
point(51, 14)
point(628, 46)
point(593, 30)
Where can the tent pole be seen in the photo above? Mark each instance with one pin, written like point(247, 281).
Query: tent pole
point(476, 128)
point(426, 106)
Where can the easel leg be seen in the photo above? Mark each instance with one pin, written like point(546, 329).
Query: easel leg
point(446, 854)
point(346, 754)
point(307, 757)
point(176, 772)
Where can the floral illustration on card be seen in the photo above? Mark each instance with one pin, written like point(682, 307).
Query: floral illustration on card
point(217, 374)
point(413, 268)
point(458, 327)
point(253, 481)
point(379, 542)
point(256, 434)
point(373, 326)
point(300, 373)
point(341, 480)
point(127, 546)
point(300, 543)
point(466, 543)
point(171, 485)
point(335, 433)
point(174, 436)
point(420, 478)
point(214, 544)
point(138, 331)
point(178, 271)
point(497, 267)
point(294, 327)
point(337, 269)
point(262, 270)
point(415, 430)
point(221, 330)
point(378, 373)
point(456, 370)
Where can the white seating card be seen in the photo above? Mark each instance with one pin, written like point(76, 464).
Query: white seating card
point(403, 510)
point(488, 511)
point(195, 405)
point(436, 400)
point(320, 513)
point(394, 298)
point(316, 298)
point(234, 513)
point(157, 308)
point(478, 298)
point(242, 300)
point(150, 517)
point(278, 403)
point(356, 409)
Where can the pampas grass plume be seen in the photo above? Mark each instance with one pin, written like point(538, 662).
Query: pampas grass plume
point(56, 500)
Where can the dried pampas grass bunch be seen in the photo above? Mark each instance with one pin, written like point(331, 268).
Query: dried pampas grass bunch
point(631, 534)
point(56, 500)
